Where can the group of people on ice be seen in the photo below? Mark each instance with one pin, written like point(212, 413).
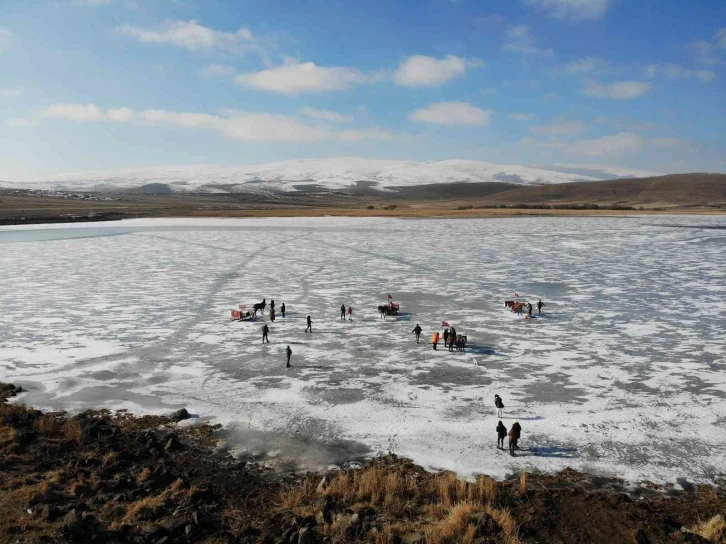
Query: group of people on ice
point(514, 433)
point(451, 340)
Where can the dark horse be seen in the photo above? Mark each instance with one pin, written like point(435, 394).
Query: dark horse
point(385, 310)
point(260, 306)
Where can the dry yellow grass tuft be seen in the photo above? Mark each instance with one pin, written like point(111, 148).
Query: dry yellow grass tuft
point(293, 497)
point(506, 521)
point(110, 458)
point(342, 487)
point(8, 435)
point(523, 480)
point(47, 425)
point(713, 529)
point(484, 490)
point(455, 527)
point(370, 484)
point(73, 431)
point(449, 489)
point(146, 508)
point(177, 487)
point(144, 475)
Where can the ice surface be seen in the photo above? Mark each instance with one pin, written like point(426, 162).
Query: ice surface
point(624, 373)
point(332, 173)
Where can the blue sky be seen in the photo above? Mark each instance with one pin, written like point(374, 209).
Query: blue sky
point(92, 84)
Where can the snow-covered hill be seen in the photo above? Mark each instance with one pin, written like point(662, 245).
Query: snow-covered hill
point(333, 173)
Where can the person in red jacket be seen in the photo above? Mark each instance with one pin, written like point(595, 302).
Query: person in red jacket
point(435, 339)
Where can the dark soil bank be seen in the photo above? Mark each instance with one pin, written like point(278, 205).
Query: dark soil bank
point(102, 477)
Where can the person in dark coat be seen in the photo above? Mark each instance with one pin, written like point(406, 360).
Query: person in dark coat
point(499, 404)
point(272, 305)
point(265, 330)
point(342, 312)
point(514, 434)
point(282, 309)
point(310, 325)
point(539, 306)
point(417, 331)
point(501, 435)
point(288, 352)
point(446, 337)
point(350, 313)
point(272, 314)
point(529, 309)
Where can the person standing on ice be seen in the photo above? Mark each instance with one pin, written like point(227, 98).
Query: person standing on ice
point(417, 331)
point(282, 309)
point(272, 305)
point(435, 339)
point(310, 325)
point(514, 433)
point(350, 313)
point(501, 435)
point(342, 312)
point(529, 309)
point(272, 314)
point(265, 330)
point(288, 352)
point(539, 306)
point(499, 404)
point(446, 337)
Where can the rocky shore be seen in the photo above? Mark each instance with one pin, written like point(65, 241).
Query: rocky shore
point(112, 477)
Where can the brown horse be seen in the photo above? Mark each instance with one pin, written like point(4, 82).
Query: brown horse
point(518, 308)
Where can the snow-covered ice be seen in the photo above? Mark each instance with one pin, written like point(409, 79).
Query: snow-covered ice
point(623, 374)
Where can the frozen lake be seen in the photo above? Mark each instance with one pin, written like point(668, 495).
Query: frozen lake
point(624, 373)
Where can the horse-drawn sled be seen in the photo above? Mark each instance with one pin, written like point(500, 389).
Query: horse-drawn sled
point(243, 314)
point(390, 309)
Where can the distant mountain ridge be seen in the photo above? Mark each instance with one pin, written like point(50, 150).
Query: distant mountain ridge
point(333, 173)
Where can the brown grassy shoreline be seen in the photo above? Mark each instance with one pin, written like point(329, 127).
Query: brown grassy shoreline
point(103, 477)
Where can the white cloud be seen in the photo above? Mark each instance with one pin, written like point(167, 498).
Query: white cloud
point(670, 143)
point(194, 37)
point(235, 124)
point(493, 18)
point(75, 112)
point(423, 71)
point(295, 78)
point(9, 93)
point(676, 71)
point(120, 115)
point(365, 134)
point(6, 37)
point(218, 70)
point(705, 75)
point(21, 122)
point(620, 90)
point(710, 52)
point(627, 125)
point(560, 127)
point(616, 144)
point(525, 117)
point(584, 66)
point(452, 113)
point(325, 115)
point(521, 42)
point(572, 10)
